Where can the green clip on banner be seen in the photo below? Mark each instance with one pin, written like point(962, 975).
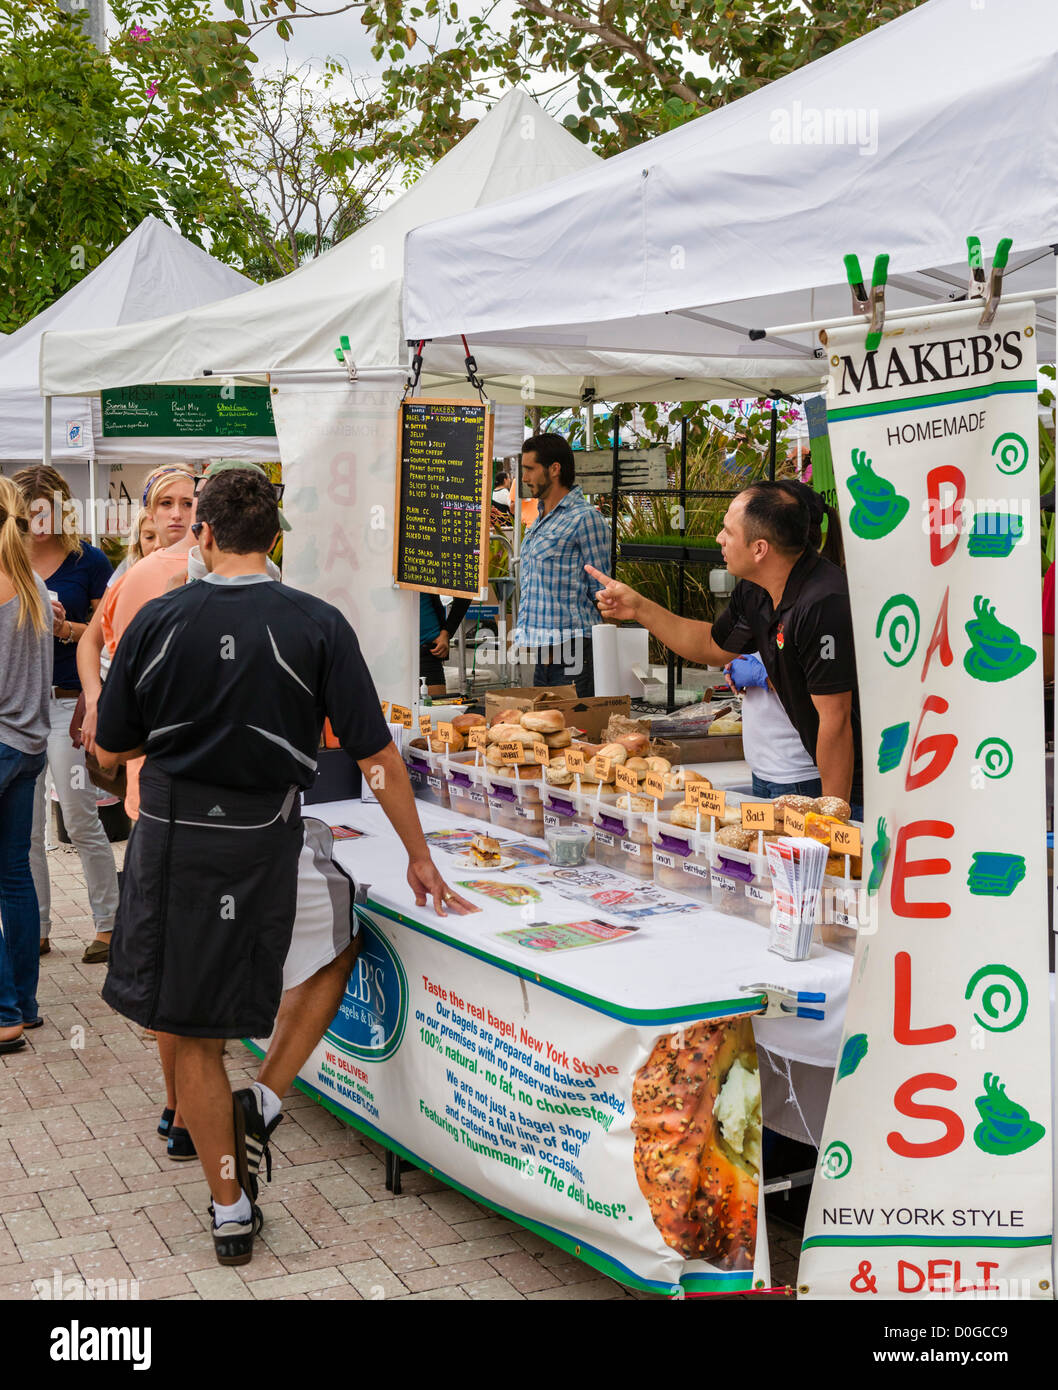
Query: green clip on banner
point(139, 412)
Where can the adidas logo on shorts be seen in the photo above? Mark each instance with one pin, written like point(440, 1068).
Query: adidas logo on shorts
point(217, 811)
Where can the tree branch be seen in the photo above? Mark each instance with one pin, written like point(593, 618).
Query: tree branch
point(616, 38)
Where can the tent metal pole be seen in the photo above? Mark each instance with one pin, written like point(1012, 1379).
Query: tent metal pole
point(852, 320)
point(45, 446)
point(773, 441)
point(614, 485)
point(93, 520)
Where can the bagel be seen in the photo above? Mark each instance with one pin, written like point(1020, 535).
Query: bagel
point(507, 716)
point(558, 775)
point(562, 739)
point(697, 1141)
point(735, 837)
point(659, 765)
point(616, 752)
point(462, 722)
point(511, 733)
point(636, 743)
point(791, 802)
point(687, 816)
point(628, 802)
point(832, 806)
point(544, 721)
point(639, 765)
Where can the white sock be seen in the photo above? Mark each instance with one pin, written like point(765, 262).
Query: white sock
point(270, 1102)
point(240, 1211)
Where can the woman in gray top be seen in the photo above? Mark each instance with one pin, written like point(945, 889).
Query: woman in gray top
point(25, 687)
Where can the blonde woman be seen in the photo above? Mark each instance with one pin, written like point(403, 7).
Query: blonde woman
point(144, 539)
point(25, 689)
point(77, 574)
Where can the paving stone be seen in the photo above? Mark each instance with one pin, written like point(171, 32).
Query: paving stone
point(219, 1283)
point(526, 1274)
point(30, 1227)
point(400, 1253)
point(448, 1294)
point(373, 1280)
point(492, 1289)
point(302, 1283)
point(480, 1249)
point(446, 1276)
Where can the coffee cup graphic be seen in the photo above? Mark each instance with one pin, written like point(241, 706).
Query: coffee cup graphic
point(879, 508)
point(997, 652)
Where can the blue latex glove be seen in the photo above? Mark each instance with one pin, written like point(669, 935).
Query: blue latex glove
point(746, 671)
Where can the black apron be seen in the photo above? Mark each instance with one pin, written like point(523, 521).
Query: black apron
point(208, 899)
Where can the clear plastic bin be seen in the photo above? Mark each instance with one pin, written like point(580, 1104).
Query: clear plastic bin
point(563, 806)
point(844, 912)
point(741, 883)
point(515, 804)
point(466, 790)
point(624, 838)
point(681, 860)
point(426, 774)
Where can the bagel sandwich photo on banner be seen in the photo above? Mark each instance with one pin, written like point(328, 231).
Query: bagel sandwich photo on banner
point(935, 1168)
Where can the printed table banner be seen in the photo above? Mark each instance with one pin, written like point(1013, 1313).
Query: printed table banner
point(630, 1138)
point(935, 1166)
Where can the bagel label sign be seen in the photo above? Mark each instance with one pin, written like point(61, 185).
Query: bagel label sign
point(935, 1171)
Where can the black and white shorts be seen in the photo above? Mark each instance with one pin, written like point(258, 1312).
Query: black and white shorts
point(207, 909)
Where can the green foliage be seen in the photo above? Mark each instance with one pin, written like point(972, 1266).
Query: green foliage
point(90, 144)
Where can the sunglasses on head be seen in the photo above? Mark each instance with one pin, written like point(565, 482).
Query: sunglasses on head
point(202, 480)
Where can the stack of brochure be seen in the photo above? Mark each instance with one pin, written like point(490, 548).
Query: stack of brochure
point(797, 867)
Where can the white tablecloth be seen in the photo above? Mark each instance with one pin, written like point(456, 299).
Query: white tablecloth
point(701, 958)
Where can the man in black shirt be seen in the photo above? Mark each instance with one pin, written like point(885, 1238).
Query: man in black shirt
point(225, 684)
point(792, 606)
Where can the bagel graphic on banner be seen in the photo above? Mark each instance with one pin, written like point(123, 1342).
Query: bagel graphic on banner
point(935, 1170)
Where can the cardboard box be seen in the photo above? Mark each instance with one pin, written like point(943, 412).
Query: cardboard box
point(714, 748)
point(591, 714)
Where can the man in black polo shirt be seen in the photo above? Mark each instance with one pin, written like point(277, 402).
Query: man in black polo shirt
point(792, 606)
point(224, 684)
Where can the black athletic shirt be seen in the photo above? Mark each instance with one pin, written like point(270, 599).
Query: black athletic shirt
point(229, 682)
point(805, 643)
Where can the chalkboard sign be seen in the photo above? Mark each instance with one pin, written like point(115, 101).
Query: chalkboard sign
point(444, 462)
point(170, 411)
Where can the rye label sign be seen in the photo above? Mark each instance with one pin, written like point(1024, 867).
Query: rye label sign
point(935, 1166)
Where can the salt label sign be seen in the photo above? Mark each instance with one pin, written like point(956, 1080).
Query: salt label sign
point(935, 1169)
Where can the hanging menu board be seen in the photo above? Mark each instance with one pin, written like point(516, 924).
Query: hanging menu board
point(175, 411)
point(444, 462)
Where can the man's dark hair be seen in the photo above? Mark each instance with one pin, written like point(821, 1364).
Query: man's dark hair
point(553, 448)
point(240, 507)
point(789, 515)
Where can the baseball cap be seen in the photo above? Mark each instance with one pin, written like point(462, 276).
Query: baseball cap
point(223, 465)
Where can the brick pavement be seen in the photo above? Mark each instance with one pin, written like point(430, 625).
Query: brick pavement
point(86, 1190)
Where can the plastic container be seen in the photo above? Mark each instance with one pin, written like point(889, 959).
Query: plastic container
point(466, 786)
point(515, 803)
point(843, 913)
point(427, 776)
point(568, 845)
point(567, 806)
point(741, 883)
point(681, 859)
point(623, 839)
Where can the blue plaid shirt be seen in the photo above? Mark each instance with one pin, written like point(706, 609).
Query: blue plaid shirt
point(557, 596)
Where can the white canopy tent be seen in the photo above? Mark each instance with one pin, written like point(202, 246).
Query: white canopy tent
point(942, 123)
point(294, 324)
point(153, 268)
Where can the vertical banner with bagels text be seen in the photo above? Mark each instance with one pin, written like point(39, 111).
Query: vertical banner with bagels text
point(338, 446)
point(935, 1166)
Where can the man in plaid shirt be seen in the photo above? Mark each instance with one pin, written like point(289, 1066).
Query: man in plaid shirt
point(557, 609)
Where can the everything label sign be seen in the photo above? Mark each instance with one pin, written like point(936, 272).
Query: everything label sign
point(935, 1165)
